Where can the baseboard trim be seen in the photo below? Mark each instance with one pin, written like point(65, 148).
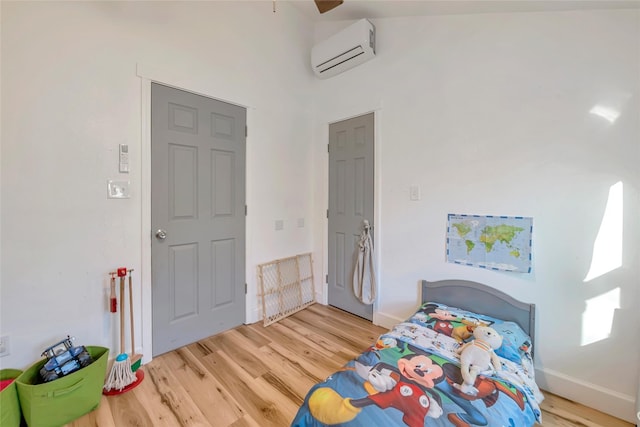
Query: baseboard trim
point(254, 315)
point(386, 320)
point(609, 401)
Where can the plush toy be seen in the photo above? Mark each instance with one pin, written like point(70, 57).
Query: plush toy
point(477, 356)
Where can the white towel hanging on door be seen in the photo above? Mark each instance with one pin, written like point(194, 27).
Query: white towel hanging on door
point(364, 278)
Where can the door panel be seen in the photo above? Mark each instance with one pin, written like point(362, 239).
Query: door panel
point(183, 278)
point(197, 198)
point(351, 189)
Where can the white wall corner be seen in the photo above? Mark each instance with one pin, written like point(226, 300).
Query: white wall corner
point(254, 315)
point(602, 399)
point(386, 320)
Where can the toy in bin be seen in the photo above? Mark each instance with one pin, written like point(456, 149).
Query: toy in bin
point(63, 359)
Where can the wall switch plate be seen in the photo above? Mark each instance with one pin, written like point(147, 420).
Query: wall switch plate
point(279, 224)
point(4, 346)
point(300, 222)
point(118, 189)
point(414, 192)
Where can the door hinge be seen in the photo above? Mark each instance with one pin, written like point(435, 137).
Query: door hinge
point(328, 149)
point(327, 213)
point(326, 279)
point(245, 288)
point(246, 131)
point(245, 210)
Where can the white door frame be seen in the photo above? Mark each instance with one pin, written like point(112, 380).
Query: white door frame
point(337, 115)
point(148, 75)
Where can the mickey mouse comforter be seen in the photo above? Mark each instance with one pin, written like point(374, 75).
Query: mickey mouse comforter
point(411, 376)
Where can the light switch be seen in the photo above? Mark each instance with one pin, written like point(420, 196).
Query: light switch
point(414, 192)
point(279, 224)
point(118, 189)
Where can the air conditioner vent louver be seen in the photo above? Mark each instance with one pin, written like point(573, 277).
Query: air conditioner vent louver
point(344, 50)
point(340, 59)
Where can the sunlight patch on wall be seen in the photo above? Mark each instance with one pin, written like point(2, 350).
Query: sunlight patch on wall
point(597, 319)
point(607, 113)
point(610, 106)
point(607, 248)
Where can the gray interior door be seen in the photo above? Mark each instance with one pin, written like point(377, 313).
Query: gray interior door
point(351, 189)
point(198, 150)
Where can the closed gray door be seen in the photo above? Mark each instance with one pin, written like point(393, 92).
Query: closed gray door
point(198, 149)
point(351, 187)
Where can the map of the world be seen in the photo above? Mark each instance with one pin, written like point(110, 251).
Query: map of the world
point(492, 242)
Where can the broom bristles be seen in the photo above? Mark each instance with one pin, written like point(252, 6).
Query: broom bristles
point(121, 374)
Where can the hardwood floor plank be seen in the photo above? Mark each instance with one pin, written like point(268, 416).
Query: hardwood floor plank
point(320, 366)
point(126, 408)
point(570, 413)
point(174, 397)
point(310, 336)
point(334, 319)
point(246, 421)
point(201, 348)
point(303, 335)
point(240, 349)
point(213, 400)
point(551, 420)
point(285, 388)
point(254, 376)
point(337, 335)
point(351, 320)
point(297, 375)
point(249, 333)
point(242, 387)
point(289, 347)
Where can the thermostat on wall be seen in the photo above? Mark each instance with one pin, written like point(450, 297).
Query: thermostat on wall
point(123, 162)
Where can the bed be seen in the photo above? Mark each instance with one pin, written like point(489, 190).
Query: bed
point(411, 375)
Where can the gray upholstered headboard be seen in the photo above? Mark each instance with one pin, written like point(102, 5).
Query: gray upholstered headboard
point(482, 299)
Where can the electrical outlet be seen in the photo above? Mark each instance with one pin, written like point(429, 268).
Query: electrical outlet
point(4, 345)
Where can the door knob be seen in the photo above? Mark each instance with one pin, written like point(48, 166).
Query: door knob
point(161, 234)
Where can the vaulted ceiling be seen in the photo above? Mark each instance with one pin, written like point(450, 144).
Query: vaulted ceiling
point(357, 9)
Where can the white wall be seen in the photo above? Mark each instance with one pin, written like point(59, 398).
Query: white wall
point(71, 93)
point(489, 114)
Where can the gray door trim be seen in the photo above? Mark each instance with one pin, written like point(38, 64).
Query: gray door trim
point(198, 147)
point(351, 184)
point(338, 115)
point(147, 76)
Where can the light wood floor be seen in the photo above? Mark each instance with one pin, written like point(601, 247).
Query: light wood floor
point(256, 376)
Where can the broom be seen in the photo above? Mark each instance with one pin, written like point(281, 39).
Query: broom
point(136, 359)
point(121, 374)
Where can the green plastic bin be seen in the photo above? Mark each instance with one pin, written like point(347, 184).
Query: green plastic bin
point(63, 400)
point(10, 415)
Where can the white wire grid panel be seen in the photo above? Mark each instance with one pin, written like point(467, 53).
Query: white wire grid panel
point(286, 286)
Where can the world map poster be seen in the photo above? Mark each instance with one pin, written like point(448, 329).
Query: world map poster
point(492, 242)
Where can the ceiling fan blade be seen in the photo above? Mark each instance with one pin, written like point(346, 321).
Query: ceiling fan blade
point(327, 5)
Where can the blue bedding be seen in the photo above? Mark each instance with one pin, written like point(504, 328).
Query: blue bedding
point(410, 376)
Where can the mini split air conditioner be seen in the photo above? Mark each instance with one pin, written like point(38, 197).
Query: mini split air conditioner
point(344, 50)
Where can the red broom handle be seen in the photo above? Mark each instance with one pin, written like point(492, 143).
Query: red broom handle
point(122, 271)
point(122, 315)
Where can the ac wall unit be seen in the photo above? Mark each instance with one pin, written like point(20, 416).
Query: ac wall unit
point(344, 50)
